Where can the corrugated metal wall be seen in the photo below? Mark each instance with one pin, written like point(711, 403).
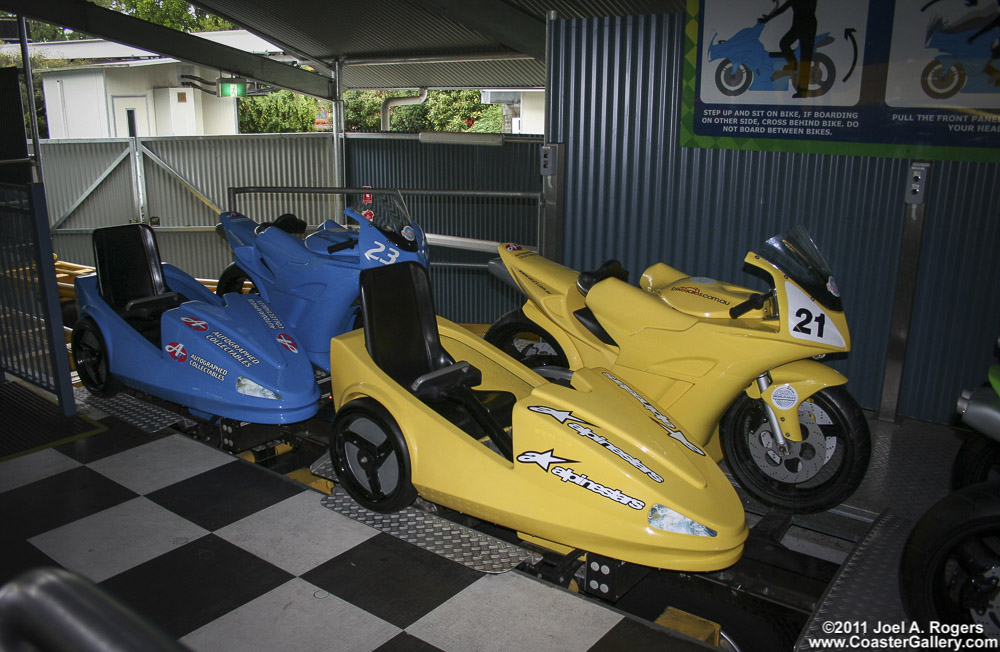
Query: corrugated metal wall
point(210, 164)
point(466, 295)
point(633, 193)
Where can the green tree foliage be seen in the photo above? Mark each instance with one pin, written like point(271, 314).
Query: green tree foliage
point(278, 112)
point(37, 63)
point(175, 14)
point(442, 111)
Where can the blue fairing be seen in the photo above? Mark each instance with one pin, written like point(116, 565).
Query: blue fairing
point(312, 283)
point(210, 347)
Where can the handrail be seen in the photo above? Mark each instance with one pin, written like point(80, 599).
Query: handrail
point(55, 610)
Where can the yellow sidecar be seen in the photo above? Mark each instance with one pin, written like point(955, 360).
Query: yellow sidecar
point(426, 408)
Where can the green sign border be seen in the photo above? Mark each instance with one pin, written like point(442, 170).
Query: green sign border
point(688, 138)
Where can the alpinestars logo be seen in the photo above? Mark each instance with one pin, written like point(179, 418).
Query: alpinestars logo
point(548, 458)
point(562, 416)
point(659, 418)
point(580, 427)
point(544, 460)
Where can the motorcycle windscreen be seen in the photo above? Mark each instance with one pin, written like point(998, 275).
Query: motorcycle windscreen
point(388, 213)
point(797, 256)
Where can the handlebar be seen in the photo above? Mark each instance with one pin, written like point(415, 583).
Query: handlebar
point(340, 246)
point(755, 302)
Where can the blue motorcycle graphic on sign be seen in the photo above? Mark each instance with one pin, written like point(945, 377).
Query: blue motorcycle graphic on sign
point(965, 62)
point(747, 65)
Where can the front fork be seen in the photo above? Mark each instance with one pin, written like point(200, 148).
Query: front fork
point(783, 389)
point(780, 442)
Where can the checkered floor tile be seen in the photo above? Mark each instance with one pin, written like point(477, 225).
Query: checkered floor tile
point(223, 555)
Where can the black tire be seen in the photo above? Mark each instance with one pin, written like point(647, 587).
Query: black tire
point(802, 482)
point(231, 280)
point(978, 460)
point(950, 565)
point(90, 356)
point(730, 81)
point(69, 312)
point(941, 84)
point(822, 75)
point(370, 457)
point(525, 341)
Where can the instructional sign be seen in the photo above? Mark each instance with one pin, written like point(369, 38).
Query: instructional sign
point(903, 78)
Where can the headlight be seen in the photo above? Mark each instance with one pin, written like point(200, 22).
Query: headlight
point(250, 388)
point(666, 519)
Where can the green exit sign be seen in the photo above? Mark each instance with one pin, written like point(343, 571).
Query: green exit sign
point(232, 87)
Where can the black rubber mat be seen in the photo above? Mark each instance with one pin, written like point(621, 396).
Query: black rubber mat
point(29, 421)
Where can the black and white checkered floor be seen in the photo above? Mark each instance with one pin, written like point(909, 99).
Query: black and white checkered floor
point(225, 555)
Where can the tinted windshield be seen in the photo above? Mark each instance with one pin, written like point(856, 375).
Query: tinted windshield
point(387, 212)
point(797, 256)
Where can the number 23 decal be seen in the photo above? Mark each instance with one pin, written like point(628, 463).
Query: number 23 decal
point(390, 254)
point(808, 321)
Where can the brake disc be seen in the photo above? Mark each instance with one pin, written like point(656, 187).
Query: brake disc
point(805, 458)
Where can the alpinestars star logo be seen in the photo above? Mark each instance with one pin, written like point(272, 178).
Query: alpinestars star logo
point(562, 416)
point(544, 460)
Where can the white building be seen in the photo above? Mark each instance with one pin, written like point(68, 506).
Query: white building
point(159, 96)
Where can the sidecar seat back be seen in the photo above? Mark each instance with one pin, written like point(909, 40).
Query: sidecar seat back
point(130, 276)
point(401, 335)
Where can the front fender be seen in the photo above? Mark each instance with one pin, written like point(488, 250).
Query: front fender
point(793, 383)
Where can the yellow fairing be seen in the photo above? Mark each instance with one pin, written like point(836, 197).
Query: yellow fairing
point(794, 383)
point(590, 462)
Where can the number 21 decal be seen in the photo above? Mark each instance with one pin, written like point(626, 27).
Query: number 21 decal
point(808, 321)
point(805, 325)
point(390, 254)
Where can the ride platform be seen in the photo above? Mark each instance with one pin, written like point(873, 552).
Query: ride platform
point(223, 554)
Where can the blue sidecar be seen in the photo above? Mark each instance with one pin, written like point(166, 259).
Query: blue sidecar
point(312, 283)
point(149, 326)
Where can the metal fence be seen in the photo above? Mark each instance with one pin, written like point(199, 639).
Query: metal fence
point(32, 345)
point(481, 194)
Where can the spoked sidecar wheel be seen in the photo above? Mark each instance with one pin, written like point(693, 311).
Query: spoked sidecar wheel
point(90, 356)
point(819, 472)
point(232, 279)
point(525, 341)
point(370, 457)
point(950, 567)
point(732, 80)
point(940, 83)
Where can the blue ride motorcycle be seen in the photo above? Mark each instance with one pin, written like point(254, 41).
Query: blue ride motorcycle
point(964, 62)
point(747, 65)
point(312, 284)
point(151, 327)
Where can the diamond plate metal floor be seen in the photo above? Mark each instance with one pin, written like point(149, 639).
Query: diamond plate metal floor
point(460, 544)
point(910, 470)
point(145, 416)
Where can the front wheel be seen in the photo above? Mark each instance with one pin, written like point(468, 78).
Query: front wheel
point(940, 83)
point(732, 80)
point(950, 569)
point(818, 472)
point(370, 457)
point(525, 341)
point(232, 279)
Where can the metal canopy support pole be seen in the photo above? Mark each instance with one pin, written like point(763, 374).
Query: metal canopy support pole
point(551, 210)
point(82, 16)
point(906, 289)
point(22, 31)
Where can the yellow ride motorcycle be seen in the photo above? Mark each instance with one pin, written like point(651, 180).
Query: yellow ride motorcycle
point(424, 407)
point(734, 365)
